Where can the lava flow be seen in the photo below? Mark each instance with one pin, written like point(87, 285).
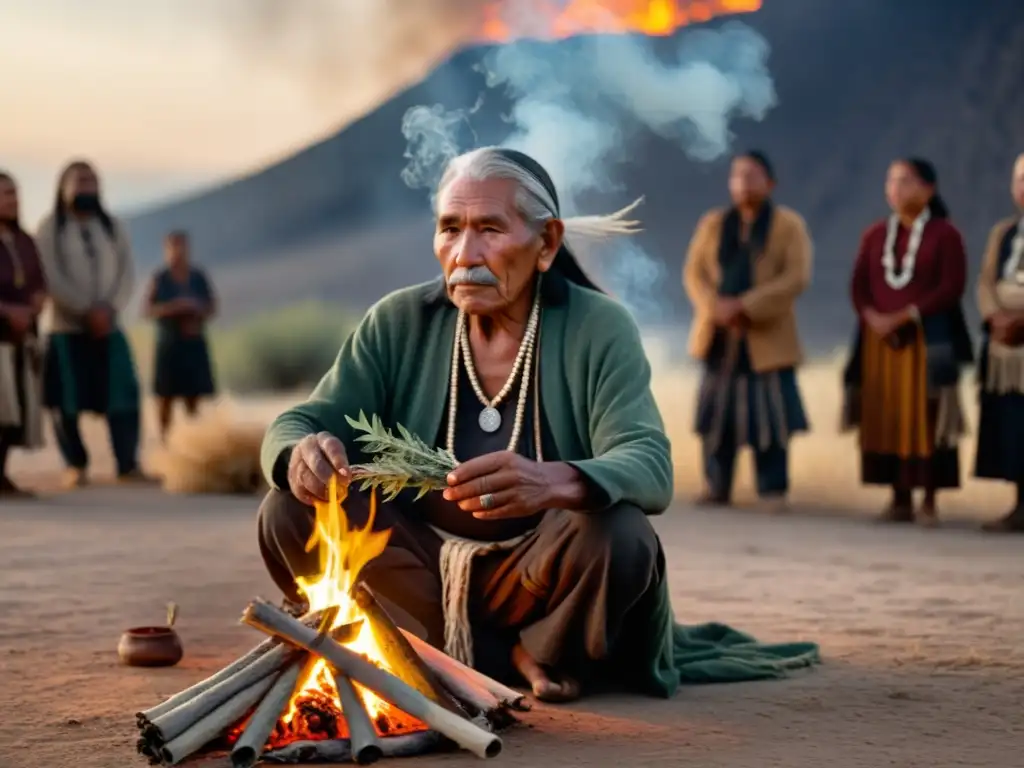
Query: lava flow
point(315, 712)
point(555, 19)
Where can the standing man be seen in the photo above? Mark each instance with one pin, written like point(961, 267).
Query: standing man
point(745, 267)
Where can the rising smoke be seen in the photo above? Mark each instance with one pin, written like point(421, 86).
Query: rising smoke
point(578, 108)
point(350, 54)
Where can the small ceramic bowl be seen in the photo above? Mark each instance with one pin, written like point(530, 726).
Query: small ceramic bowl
point(150, 647)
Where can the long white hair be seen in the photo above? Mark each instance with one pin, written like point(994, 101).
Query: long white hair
point(534, 201)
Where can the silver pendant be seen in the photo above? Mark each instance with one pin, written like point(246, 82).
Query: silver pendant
point(490, 420)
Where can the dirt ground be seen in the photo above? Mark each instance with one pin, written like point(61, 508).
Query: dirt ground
point(920, 631)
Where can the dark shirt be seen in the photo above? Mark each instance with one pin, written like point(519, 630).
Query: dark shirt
point(21, 274)
point(166, 288)
point(471, 442)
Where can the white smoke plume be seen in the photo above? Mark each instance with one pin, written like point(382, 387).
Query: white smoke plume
point(578, 105)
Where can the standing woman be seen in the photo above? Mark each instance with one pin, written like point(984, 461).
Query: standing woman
point(1001, 367)
point(902, 379)
point(22, 295)
point(181, 301)
point(89, 366)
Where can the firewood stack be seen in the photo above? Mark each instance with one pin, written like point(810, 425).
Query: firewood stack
point(438, 702)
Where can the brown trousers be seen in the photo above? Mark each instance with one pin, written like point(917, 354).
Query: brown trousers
point(565, 592)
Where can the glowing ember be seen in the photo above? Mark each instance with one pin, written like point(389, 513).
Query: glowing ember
point(315, 712)
point(553, 19)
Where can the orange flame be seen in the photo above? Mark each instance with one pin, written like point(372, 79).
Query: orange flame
point(315, 711)
point(555, 19)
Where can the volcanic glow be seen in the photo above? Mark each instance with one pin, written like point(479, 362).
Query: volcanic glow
point(554, 19)
point(315, 711)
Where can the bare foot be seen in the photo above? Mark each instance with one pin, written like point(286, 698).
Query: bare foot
point(928, 515)
point(897, 513)
point(545, 688)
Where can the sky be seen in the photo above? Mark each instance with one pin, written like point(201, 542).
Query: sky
point(158, 93)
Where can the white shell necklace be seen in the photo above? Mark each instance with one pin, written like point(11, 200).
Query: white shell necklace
point(1012, 269)
point(490, 419)
point(901, 279)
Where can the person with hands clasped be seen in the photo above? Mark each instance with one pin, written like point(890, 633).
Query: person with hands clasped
point(22, 295)
point(1001, 366)
point(89, 366)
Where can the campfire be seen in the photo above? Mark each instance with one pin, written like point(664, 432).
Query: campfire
point(340, 684)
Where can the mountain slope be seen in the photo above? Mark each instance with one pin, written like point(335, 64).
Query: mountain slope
point(859, 83)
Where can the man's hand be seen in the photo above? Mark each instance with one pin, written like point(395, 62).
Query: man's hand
point(506, 485)
point(100, 321)
point(314, 461)
point(728, 311)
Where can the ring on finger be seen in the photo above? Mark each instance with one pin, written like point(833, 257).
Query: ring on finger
point(487, 501)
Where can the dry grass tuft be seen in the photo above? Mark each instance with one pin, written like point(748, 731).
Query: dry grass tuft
point(217, 452)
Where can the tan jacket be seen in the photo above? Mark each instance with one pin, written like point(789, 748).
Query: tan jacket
point(781, 274)
point(988, 303)
point(76, 282)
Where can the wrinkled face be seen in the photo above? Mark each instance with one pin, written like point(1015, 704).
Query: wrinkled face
point(904, 190)
point(488, 252)
point(8, 201)
point(748, 182)
point(80, 179)
point(176, 250)
point(1017, 186)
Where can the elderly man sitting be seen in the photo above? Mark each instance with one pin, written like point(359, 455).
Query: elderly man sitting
point(539, 557)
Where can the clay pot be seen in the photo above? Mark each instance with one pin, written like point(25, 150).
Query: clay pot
point(150, 647)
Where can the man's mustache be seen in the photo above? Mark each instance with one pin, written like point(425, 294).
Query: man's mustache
point(479, 275)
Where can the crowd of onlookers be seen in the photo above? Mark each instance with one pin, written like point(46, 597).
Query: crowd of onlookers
point(745, 268)
point(63, 350)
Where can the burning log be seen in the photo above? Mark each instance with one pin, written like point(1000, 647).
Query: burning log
point(455, 674)
point(198, 735)
point(232, 669)
point(172, 724)
point(340, 750)
point(364, 745)
point(407, 664)
point(466, 734)
point(247, 750)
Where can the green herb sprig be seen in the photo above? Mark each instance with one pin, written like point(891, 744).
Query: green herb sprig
point(399, 462)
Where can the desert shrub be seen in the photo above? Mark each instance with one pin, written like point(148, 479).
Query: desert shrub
point(280, 350)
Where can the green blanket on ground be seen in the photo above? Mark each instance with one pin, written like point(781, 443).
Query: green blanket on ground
point(676, 654)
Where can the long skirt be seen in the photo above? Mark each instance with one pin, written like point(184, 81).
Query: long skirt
point(909, 429)
point(182, 368)
point(20, 395)
point(82, 373)
point(1000, 453)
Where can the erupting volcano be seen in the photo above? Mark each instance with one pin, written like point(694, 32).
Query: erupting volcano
point(555, 19)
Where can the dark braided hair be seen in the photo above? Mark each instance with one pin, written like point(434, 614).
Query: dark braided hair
point(60, 207)
point(926, 173)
